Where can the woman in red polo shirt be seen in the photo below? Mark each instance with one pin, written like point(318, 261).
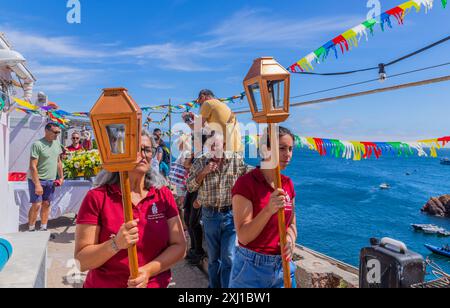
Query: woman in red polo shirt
point(102, 239)
point(258, 260)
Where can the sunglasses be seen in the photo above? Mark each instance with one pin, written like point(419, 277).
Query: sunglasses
point(148, 150)
point(56, 133)
point(75, 138)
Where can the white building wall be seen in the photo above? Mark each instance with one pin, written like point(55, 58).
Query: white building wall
point(9, 211)
point(25, 130)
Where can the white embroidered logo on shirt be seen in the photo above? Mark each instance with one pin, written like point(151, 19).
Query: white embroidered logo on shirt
point(154, 209)
point(289, 204)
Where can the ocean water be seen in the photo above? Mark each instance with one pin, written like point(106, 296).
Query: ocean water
point(340, 206)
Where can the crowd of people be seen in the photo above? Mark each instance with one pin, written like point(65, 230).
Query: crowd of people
point(208, 191)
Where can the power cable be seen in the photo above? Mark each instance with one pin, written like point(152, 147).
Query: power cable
point(377, 67)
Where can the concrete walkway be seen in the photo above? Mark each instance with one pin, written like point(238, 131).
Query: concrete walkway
point(62, 270)
point(314, 270)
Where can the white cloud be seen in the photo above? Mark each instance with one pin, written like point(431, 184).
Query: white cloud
point(46, 46)
point(58, 79)
point(157, 86)
point(244, 28)
point(175, 56)
point(71, 55)
point(250, 27)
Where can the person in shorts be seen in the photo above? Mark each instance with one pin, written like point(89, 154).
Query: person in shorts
point(46, 173)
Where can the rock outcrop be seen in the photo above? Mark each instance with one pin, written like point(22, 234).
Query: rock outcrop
point(438, 206)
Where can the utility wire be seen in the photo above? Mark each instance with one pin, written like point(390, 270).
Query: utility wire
point(377, 67)
point(364, 93)
point(372, 80)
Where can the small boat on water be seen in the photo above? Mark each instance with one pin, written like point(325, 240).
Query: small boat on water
point(445, 161)
point(433, 230)
point(385, 186)
point(444, 233)
point(444, 251)
point(419, 227)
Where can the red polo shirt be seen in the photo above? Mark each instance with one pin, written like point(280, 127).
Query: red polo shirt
point(75, 149)
point(103, 207)
point(254, 187)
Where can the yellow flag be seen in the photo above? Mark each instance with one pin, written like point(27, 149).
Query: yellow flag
point(25, 104)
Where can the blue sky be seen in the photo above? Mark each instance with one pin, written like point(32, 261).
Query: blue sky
point(172, 49)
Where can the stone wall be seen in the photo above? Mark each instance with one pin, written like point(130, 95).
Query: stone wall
point(318, 271)
point(315, 270)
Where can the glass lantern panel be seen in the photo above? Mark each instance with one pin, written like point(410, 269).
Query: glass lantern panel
point(116, 137)
point(276, 91)
point(256, 99)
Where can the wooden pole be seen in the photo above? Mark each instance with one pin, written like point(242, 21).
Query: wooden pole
point(128, 214)
point(170, 130)
point(275, 148)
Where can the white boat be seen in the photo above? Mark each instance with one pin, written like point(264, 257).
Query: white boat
point(419, 227)
point(444, 233)
point(385, 186)
point(433, 230)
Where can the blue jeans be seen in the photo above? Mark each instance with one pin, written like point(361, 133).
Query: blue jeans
point(252, 270)
point(220, 235)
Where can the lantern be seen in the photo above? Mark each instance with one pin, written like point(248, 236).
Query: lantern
point(117, 123)
point(267, 87)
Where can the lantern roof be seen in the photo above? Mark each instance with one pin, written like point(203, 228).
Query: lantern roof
point(115, 101)
point(266, 66)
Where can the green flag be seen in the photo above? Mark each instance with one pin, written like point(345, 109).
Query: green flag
point(2, 104)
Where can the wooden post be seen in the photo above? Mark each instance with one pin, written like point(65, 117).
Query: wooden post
point(128, 214)
point(275, 156)
point(170, 131)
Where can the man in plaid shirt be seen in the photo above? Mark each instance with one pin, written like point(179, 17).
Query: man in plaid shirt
point(214, 175)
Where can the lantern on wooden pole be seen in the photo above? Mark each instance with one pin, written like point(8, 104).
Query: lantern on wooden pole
point(117, 123)
point(267, 86)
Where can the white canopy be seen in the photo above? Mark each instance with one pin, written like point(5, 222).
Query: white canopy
point(12, 61)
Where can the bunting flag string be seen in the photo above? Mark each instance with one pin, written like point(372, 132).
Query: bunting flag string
point(194, 104)
point(352, 37)
point(33, 109)
point(150, 120)
point(359, 150)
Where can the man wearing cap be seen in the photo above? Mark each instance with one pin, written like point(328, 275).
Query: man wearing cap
point(213, 176)
point(218, 117)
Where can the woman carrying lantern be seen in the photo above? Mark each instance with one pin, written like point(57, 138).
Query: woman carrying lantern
point(102, 239)
point(258, 259)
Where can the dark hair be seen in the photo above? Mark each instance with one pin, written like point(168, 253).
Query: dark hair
point(283, 131)
point(50, 125)
point(209, 135)
point(157, 130)
point(207, 93)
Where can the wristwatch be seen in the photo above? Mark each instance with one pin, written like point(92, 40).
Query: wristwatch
point(114, 244)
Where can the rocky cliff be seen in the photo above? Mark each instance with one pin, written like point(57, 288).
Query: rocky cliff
point(439, 206)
